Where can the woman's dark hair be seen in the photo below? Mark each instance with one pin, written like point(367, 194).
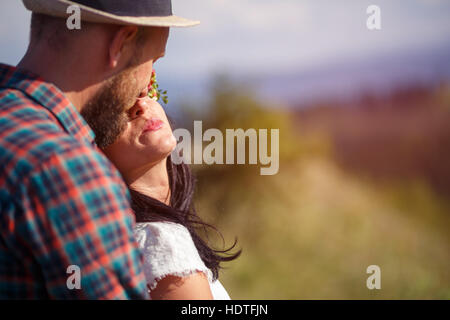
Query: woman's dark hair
point(181, 210)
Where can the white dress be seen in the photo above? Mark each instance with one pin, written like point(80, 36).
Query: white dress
point(168, 249)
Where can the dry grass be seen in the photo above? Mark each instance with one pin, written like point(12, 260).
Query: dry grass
point(311, 231)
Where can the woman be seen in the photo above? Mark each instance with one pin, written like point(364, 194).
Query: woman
point(178, 264)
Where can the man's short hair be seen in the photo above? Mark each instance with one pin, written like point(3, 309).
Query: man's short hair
point(54, 31)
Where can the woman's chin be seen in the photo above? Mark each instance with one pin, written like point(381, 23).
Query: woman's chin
point(157, 139)
point(159, 148)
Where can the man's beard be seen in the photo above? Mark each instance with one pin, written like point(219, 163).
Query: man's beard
point(105, 112)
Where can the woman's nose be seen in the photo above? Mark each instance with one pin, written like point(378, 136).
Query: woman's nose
point(139, 109)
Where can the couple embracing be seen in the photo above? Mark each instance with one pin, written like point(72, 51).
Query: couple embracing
point(86, 177)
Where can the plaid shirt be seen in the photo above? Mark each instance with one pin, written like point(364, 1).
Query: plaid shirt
point(62, 203)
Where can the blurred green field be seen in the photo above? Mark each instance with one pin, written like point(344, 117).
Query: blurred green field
point(311, 231)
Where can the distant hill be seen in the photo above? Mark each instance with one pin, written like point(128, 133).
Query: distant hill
point(345, 80)
point(349, 79)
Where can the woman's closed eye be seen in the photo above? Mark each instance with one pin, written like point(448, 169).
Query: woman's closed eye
point(143, 93)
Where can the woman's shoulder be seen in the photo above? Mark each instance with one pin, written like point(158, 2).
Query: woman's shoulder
point(168, 249)
point(172, 238)
point(168, 236)
point(160, 229)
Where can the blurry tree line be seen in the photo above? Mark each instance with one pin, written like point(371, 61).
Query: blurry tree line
point(402, 135)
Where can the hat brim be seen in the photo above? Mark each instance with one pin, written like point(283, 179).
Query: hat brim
point(58, 8)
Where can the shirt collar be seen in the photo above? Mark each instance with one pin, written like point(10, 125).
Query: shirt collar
point(50, 97)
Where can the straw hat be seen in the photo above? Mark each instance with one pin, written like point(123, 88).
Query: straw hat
point(157, 13)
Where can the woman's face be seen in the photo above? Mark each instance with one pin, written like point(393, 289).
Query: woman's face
point(146, 140)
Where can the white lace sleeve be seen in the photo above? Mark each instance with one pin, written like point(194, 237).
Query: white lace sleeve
point(168, 249)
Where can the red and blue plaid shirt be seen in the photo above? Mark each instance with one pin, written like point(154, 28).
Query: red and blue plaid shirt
point(62, 203)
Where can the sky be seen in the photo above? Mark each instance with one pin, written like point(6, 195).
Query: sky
point(263, 37)
point(258, 36)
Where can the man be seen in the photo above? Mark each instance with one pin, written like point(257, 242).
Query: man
point(65, 219)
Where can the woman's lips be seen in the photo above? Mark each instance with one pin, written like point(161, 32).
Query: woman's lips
point(153, 124)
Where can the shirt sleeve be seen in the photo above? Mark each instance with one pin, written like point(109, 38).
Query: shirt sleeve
point(80, 216)
point(168, 249)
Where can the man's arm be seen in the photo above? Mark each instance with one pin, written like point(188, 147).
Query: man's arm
point(81, 216)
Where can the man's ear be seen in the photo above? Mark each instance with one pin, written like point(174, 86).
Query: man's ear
point(122, 40)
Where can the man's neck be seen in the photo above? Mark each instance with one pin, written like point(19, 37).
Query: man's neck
point(63, 73)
